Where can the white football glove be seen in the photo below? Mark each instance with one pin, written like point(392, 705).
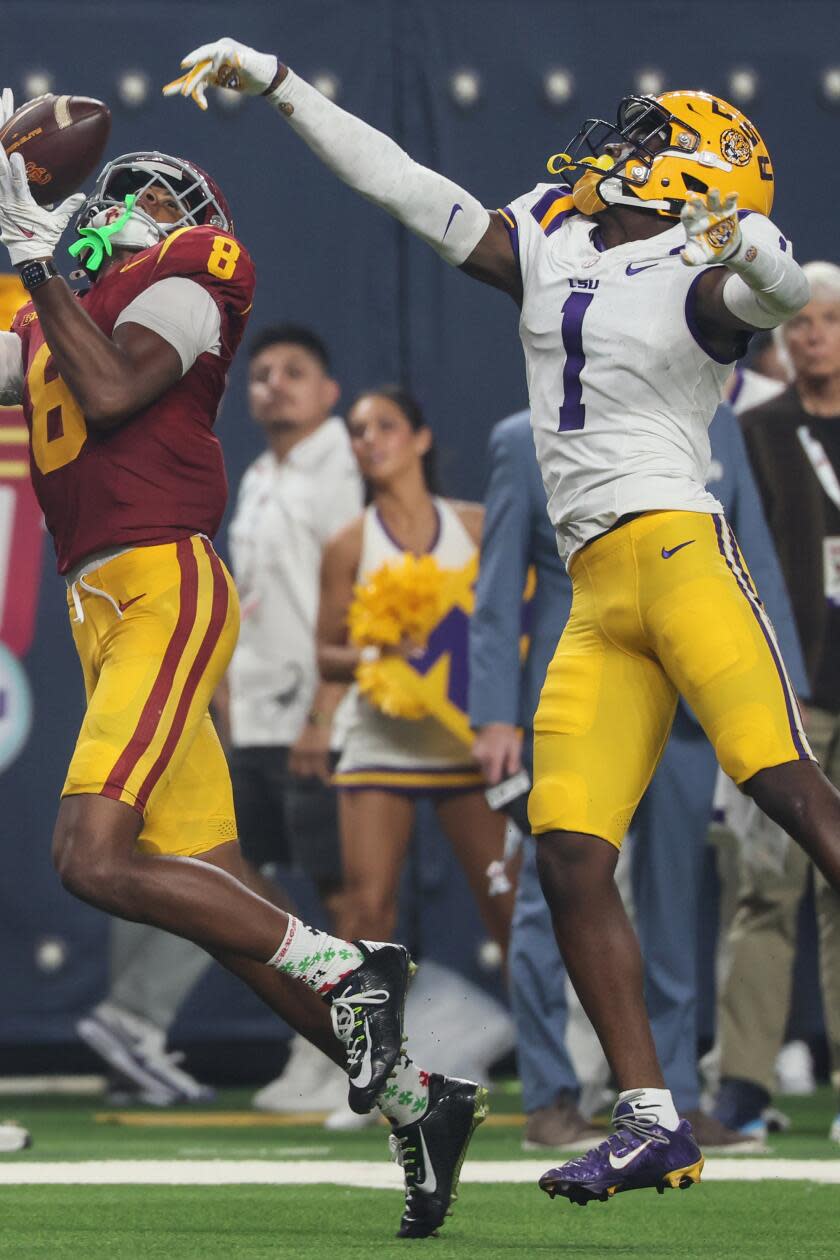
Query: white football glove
point(712, 228)
point(225, 63)
point(27, 230)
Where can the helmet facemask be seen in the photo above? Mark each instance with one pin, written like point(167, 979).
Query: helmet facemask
point(134, 173)
point(643, 132)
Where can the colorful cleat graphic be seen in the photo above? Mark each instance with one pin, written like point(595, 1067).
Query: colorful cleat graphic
point(431, 1151)
point(367, 1013)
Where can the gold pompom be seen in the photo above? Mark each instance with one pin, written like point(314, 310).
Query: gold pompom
point(399, 603)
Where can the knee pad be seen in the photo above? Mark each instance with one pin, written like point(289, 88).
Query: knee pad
point(559, 802)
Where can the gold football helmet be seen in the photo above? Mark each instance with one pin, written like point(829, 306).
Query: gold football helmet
point(663, 147)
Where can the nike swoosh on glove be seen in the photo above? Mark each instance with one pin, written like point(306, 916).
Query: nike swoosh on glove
point(712, 228)
point(224, 63)
point(27, 230)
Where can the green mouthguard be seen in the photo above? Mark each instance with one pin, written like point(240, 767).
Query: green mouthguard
point(98, 239)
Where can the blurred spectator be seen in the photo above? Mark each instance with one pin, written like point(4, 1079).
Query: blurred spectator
point(668, 833)
point(794, 444)
point(301, 490)
point(388, 762)
point(151, 974)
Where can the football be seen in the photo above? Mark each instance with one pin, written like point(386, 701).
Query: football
point(61, 138)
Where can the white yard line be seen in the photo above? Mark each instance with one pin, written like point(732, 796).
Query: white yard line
point(373, 1176)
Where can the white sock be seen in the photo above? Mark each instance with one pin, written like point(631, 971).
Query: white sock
point(318, 959)
point(406, 1096)
point(653, 1104)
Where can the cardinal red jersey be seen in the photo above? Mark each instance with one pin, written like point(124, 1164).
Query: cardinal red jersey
point(158, 477)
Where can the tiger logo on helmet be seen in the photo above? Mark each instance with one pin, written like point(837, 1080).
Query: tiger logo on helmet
point(660, 149)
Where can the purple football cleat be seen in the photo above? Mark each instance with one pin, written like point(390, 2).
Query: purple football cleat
point(639, 1154)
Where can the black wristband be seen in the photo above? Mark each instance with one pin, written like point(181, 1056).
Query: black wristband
point(279, 76)
point(36, 272)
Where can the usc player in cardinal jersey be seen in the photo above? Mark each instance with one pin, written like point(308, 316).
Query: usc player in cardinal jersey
point(120, 386)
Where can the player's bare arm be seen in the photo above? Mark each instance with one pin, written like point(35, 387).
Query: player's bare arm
point(110, 379)
point(436, 209)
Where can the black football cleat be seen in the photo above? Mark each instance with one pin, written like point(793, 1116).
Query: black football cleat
point(367, 1014)
point(431, 1151)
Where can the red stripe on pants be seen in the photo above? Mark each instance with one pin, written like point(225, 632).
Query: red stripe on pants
point(150, 718)
point(218, 614)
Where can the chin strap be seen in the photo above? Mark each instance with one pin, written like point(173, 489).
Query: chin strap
point(98, 239)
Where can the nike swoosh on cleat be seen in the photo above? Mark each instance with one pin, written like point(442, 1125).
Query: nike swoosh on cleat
point(365, 1073)
point(123, 604)
point(630, 270)
point(672, 551)
point(453, 212)
point(621, 1161)
point(429, 1183)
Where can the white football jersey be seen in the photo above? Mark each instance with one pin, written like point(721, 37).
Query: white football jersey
point(622, 388)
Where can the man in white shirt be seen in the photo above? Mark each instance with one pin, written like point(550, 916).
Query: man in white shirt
point(293, 498)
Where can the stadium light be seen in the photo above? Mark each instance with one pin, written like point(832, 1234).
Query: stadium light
point(327, 83)
point(36, 83)
point(465, 87)
point(558, 86)
point(743, 85)
point(133, 88)
point(830, 85)
point(650, 82)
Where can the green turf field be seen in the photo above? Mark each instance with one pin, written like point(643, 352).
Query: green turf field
point(770, 1220)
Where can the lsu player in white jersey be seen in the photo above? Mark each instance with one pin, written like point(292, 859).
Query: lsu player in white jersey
point(640, 278)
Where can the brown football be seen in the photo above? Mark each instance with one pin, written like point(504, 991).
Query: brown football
point(61, 138)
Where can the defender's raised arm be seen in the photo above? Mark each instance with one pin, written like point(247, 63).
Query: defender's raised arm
point(439, 211)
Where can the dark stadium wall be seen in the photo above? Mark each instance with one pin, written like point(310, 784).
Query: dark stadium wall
point(387, 306)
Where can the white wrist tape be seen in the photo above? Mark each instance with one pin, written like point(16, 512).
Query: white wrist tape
point(449, 219)
point(768, 286)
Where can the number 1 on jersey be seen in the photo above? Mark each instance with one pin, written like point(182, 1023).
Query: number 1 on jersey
point(572, 410)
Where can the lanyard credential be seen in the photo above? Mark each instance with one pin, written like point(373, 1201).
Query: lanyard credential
point(821, 464)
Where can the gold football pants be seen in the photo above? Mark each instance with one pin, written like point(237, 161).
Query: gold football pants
point(664, 606)
point(155, 629)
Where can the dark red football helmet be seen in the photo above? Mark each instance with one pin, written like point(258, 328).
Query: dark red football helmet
point(199, 196)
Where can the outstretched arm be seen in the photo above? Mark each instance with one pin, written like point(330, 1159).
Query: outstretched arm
point(437, 210)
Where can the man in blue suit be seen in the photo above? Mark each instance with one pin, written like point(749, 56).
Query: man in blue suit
point(670, 826)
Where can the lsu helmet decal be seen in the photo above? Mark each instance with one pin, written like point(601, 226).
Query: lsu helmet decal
point(661, 148)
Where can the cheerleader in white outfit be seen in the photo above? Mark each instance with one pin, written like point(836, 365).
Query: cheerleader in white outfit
point(388, 762)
